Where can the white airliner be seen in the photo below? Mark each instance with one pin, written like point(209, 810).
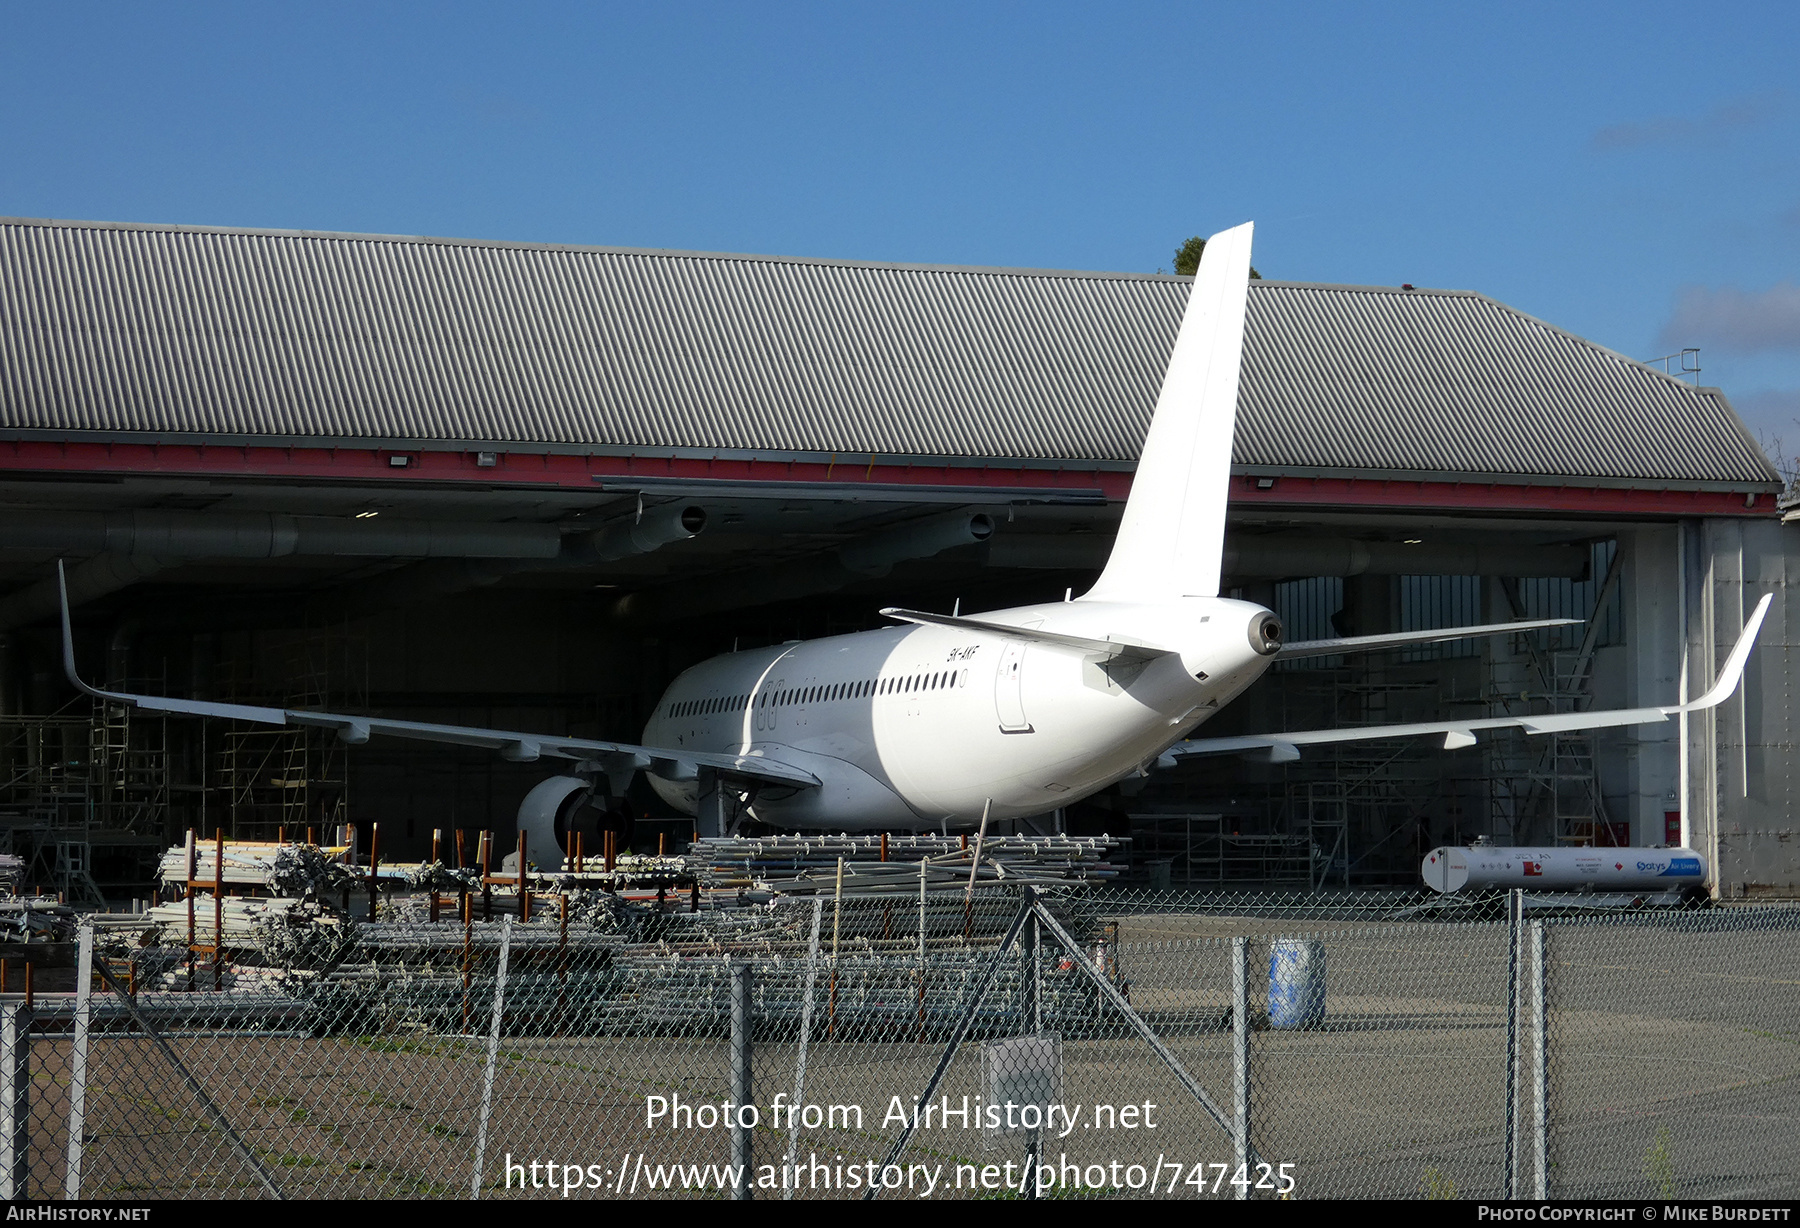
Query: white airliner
point(936, 722)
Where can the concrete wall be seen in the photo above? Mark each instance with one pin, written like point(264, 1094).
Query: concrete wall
point(1741, 766)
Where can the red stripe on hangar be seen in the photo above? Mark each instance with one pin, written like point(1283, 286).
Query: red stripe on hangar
point(525, 468)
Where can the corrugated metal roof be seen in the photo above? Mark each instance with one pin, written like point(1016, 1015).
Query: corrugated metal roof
point(205, 332)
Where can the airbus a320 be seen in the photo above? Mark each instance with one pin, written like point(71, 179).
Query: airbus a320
point(941, 719)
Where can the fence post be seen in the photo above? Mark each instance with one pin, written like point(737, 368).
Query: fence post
point(1240, 1056)
point(1033, 1020)
point(966, 1017)
point(806, 1014)
point(1110, 995)
point(493, 1055)
point(15, 1100)
point(1540, 1062)
point(233, 1139)
point(78, 1051)
point(741, 1091)
point(919, 1035)
point(1028, 977)
point(1515, 920)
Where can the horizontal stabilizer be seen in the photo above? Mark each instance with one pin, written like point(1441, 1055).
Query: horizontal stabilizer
point(1403, 639)
point(1031, 635)
point(511, 745)
point(1284, 747)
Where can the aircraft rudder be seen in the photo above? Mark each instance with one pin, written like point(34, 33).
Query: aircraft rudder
point(1171, 539)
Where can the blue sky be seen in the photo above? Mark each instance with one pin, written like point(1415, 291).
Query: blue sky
point(1628, 172)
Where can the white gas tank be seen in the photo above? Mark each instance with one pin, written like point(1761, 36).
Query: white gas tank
point(1483, 866)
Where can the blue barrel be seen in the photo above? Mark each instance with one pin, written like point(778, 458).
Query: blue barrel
point(1296, 983)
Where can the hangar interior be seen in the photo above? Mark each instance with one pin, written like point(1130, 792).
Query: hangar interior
point(523, 486)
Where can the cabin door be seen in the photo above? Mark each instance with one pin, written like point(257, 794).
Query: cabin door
point(1009, 689)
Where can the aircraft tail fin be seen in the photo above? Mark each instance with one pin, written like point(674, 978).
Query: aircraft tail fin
point(1172, 538)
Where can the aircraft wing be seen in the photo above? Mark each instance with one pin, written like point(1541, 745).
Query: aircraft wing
point(613, 757)
point(1403, 639)
point(1286, 747)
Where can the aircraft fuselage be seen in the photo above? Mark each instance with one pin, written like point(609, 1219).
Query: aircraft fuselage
point(921, 726)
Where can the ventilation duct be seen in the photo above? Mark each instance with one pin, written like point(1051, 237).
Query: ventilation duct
point(872, 556)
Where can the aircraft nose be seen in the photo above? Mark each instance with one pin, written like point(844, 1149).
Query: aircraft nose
point(1265, 633)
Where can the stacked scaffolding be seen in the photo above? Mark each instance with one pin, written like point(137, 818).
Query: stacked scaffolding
point(45, 772)
point(1358, 804)
point(1546, 788)
point(271, 778)
point(84, 800)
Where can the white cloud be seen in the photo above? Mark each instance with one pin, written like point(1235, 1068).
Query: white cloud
point(1715, 126)
point(1735, 321)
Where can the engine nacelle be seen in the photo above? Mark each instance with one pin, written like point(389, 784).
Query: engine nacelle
point(547, 815)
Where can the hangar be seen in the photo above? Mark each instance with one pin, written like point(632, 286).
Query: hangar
point(523, 485)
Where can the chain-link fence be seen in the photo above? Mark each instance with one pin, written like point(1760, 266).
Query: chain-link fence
point(1000, 1042)
point(1673, 1055)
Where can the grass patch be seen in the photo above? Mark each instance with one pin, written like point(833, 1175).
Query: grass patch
point(1659, 1163)
point(1436, 1184)
point(290, 1160)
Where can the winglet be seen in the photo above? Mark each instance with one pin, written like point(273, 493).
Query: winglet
point(1733, 672)
point(155, 703)
point(62, 588)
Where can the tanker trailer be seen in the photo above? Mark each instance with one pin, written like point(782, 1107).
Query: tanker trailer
point(1494, 867)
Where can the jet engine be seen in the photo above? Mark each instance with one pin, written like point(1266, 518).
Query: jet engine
point(562, 805)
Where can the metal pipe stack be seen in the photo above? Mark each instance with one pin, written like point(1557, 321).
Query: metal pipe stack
point(275, 867)
point(26, 918)
point(881, 866)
